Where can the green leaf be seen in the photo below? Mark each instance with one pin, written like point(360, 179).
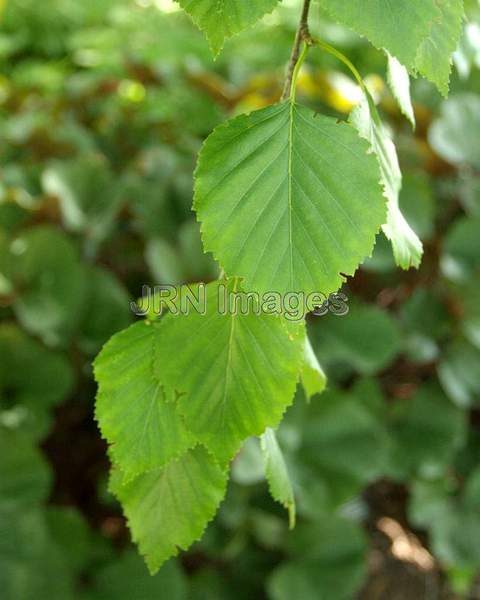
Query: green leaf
point(467, 55)
point(407, 248)
point(51, 283)
point(183, 262)
point(434, 56)
point(222, 19)
point(31, 565)
point(237, 372)
point(399, 82)
point(25, 477)
point(461, 250)
point(455, 136)
point(343, 447)
point(328, 562)
point(459, 374)
point(144, 429)
point(248, 467)
point(382, 260)
point(417, 203)
point(277, 474)
point(399, 27)
point(313, 379)
point(71, 532)
point(168, 509)
point(277, 193)
point(210, 583)
point(453, 520)
point(88, 192)
point(425, 324)
point(127, 577)
point(106, 309)
point(432, 429)
point(348, 339)
point(470, 295)
point(26, 401)
point(6, 262)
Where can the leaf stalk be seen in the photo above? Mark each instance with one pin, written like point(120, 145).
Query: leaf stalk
point(302, 35)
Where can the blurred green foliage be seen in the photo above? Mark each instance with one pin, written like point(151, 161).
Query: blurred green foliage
point(103, 107)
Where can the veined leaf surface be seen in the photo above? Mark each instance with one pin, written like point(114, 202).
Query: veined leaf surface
point(421, 34)
point(434, 58)
point(237, 372)
point(144, 429)
point(399, 27)
point(169, 508)
point(220, 19)
point(288, 199)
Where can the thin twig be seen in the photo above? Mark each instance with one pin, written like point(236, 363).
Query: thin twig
point(302, 35)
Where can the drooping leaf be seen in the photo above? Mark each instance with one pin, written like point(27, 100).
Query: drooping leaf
point(277, 474)
point(169, 508)
point(222, 19)
point(237, 372)
point(144, 429)
point(399, 27)
point(434, 56)
point(399, 82)
point(288, 199)
point(407, 248)
point(314, 380)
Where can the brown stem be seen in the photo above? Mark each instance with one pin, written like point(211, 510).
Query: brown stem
point(302, 35)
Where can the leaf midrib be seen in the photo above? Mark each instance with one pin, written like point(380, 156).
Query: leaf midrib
point(229, 361)
point(290, 182)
